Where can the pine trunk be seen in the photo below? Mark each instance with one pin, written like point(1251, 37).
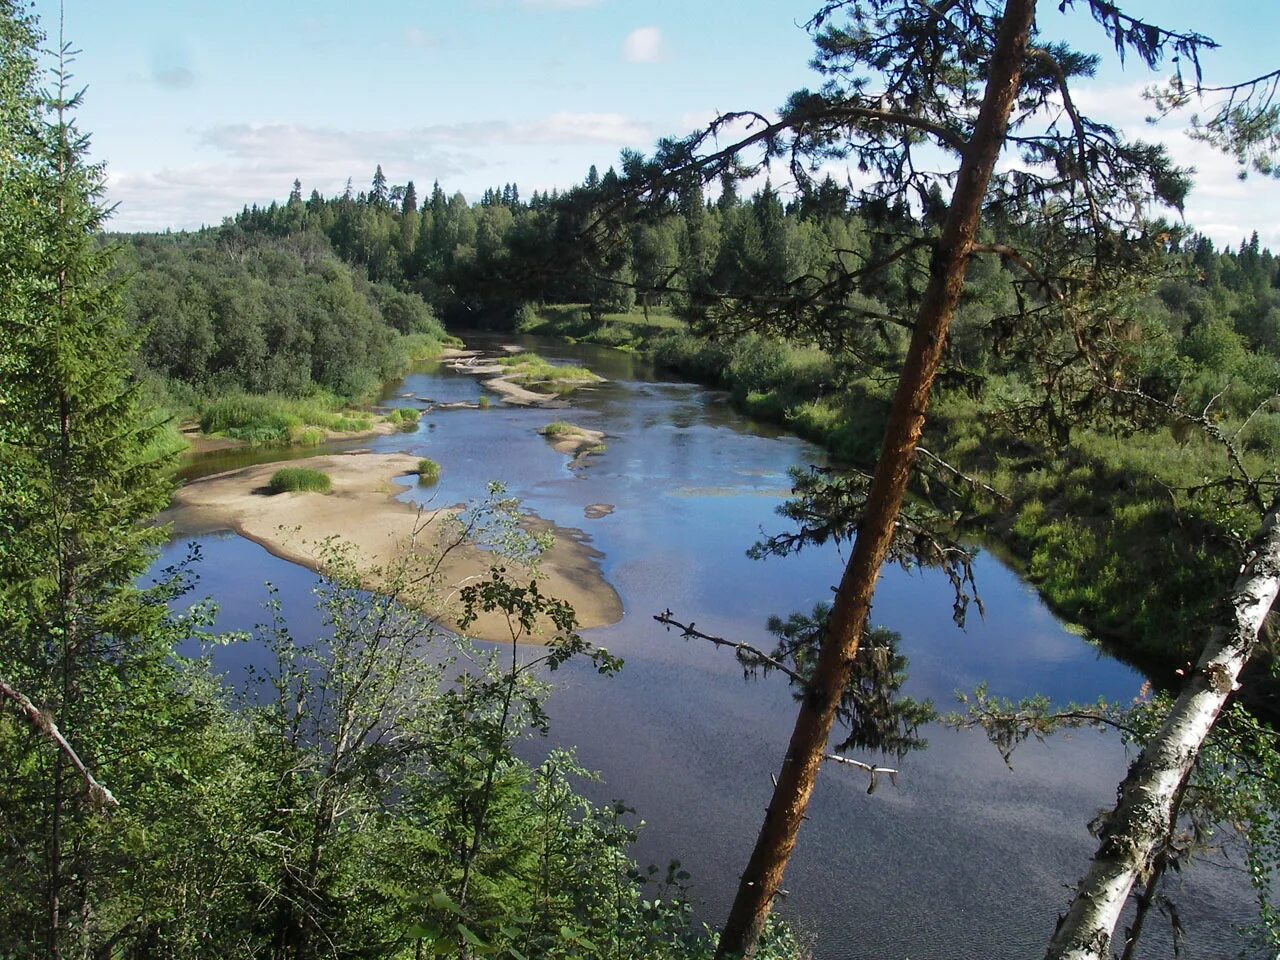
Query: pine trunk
point(762, 879)
point(1148, 794)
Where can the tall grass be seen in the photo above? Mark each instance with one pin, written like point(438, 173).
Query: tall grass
point(299, 480)
point(272, 418)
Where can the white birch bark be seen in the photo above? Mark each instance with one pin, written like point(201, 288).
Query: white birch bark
point(1142, 814)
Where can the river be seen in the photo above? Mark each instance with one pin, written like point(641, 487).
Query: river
point(965, 858)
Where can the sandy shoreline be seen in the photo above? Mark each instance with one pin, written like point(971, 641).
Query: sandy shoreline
point(361, 511)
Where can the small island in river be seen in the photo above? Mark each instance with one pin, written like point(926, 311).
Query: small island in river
point(362, 510)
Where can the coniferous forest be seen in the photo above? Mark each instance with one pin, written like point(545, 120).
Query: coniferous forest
point(1102, 387)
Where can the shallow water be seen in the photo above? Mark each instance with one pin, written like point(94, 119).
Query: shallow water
point(964, 859)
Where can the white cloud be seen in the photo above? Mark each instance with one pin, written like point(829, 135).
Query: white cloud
point(415, 37)
point(257, 142)
point(259, 162)
point(1220, 205)
point(643, 45)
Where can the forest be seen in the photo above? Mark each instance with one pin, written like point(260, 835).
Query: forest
point(1102, 386)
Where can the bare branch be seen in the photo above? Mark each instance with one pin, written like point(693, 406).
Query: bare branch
point(687, 631)
point(1203, 421)
point(1013, 256)
point(44, 725)
point(973, 482)
point(870, 769)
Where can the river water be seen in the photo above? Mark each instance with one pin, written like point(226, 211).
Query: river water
point(965, 858)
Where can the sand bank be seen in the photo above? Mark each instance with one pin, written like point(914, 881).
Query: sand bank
point(361, 510)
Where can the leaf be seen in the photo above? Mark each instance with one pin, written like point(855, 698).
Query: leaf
point(442, 901)
point(472, 940)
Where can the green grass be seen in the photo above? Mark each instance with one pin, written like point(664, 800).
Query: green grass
point(531, 370)
point(560, 428)
point(299, 480)
point(483, 403)
point(630, 331)
point(406, 418)
point(428, 472)
point(275, 419)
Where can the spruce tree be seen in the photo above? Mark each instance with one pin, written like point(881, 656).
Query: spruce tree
point(79, 476)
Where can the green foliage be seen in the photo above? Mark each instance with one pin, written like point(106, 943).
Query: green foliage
point(83, 469)
point(483, 403)
point(220, 310)
point(405, 417)
point(531, 370)
point(428, 471)
point(299, 480)
point(276, 419)
point(559, 428)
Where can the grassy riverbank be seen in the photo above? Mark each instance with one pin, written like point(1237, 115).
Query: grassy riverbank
point(208, 416)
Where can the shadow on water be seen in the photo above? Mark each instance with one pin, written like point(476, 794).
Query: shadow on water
point(965, 859)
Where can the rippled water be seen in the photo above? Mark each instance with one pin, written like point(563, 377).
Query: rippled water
point(964, 859)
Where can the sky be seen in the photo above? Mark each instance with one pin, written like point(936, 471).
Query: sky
point(199, 107)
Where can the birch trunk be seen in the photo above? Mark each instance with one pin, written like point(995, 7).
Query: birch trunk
point(762, 878)
point(1148, 794)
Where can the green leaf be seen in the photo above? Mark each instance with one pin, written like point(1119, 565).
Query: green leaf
point(442, 901)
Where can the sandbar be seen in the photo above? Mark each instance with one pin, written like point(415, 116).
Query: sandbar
point(361, 510)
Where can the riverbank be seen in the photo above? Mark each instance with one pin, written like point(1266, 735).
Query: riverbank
point(1094, 524)
point(362, 511)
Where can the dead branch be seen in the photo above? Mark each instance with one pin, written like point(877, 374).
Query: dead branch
point(972, 482)
point(44, 725)
point(687, 631)
point(871, 770)
point(1013, 256)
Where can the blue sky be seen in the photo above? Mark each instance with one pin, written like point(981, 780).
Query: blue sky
point(200, 107)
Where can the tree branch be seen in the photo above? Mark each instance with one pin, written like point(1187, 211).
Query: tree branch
point(973, 482)
point(687, 631)
point(43, 724)
point(1013, 256)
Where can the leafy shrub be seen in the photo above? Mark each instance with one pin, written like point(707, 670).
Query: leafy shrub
point(428, 472)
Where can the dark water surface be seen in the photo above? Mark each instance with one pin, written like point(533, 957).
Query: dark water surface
point(964, 859)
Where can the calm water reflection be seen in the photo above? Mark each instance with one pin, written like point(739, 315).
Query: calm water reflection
point(966, 859)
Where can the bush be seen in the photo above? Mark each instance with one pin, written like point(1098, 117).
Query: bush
point(428, 472)
point(483, 403)
point(299, 480)
point(404, 416)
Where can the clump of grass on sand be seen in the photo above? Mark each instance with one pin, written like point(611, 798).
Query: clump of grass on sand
point(299, 480)
point(428, 472)
point(560, 428)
